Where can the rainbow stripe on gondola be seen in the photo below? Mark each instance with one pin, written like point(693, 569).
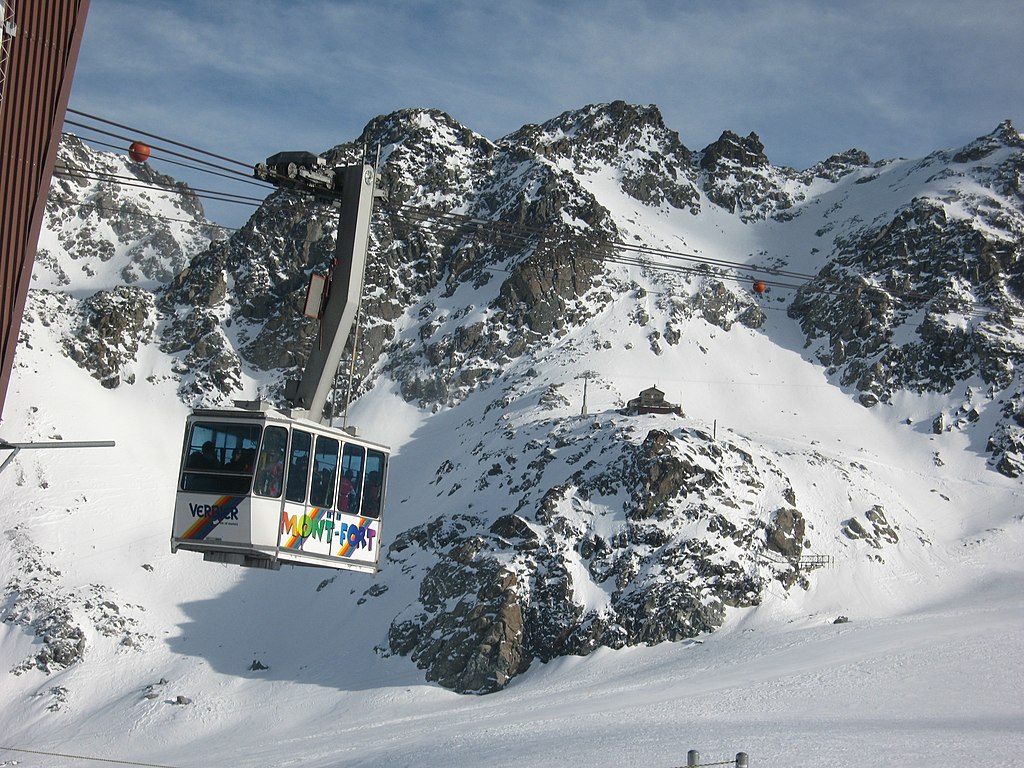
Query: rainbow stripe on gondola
point(202, 527)
point(347, 549)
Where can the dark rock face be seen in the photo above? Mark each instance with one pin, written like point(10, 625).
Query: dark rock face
point(739, 178)
point(786, 533)
point(60, 618)
point(918, 262)
point(875, 530)
point(469, 633)
point(114, 324)
point(1006, 443)
point(931, 297)
point(504, 594)
point(731, 150)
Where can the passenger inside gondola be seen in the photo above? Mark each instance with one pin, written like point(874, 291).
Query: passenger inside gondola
point(371, 495)
point(241, 460)
point(270, 472)
point(205, 459)
point(298, 467)
point(268, 481)
point(345, 490)
point(323, 486)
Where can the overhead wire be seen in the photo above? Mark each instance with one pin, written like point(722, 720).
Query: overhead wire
point(703, 262)
point(159, 138)
point(162, 149)
point(233, 176)
point(82, 757)
point(506, 234)
point(157, 217)
point(197, 164)
point(133, 181)
point(423, 213)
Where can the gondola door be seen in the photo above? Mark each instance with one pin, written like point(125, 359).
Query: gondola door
point(319, 523)
point(295, 524)
point(361, 483)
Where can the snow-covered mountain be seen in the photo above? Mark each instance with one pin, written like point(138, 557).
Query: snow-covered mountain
point(849, 442)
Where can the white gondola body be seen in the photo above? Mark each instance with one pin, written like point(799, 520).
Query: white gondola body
point(257, 487)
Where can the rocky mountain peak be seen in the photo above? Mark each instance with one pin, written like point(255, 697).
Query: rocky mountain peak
point(617, 124)
point(1008, 135)
point(1005, 135)
point(738, 177)
point(839, 165)
point(735, 150)
point(649, 161)
point(418, 126)
point(418, 145)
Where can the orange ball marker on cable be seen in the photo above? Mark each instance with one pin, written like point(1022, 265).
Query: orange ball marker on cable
point(138, 152)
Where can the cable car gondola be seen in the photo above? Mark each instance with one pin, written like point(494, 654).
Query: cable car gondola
point(260, 486)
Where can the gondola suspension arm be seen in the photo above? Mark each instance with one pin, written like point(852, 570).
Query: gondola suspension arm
point(353, 187)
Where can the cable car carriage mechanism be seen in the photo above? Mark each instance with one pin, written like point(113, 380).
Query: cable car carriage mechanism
point(259, 486)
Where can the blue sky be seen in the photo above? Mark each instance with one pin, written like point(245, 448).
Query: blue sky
point(247, 78)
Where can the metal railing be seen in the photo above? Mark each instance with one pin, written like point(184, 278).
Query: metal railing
point(742, 760)
point(806, 562)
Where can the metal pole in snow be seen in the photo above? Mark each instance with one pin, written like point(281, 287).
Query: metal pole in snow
point(15, 448)
point(61, 444)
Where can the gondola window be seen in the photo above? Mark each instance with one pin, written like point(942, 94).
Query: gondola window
point(270, 466)
point(325, 471)
point(220, 458)
point(298, 466)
